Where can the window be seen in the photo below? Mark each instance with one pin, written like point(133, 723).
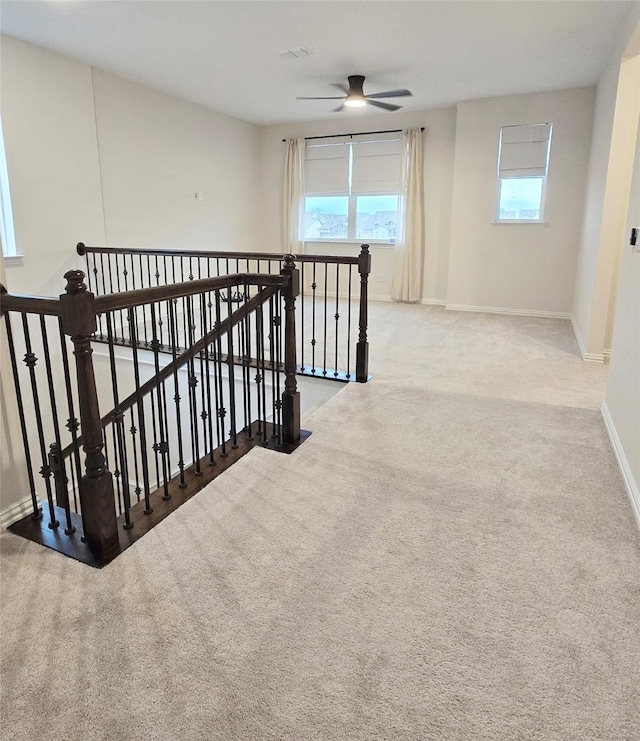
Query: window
point(7, 236)
point(351, 190)
point(523, 161)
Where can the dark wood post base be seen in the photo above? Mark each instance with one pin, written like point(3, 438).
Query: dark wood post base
point(362, 362)
point(291, 417)
point(99, 514)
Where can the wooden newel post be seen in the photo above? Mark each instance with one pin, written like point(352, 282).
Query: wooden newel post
point(362, 348)
point(291, 395)
point(96, 486)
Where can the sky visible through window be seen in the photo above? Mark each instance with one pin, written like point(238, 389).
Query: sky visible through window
point(520, 198)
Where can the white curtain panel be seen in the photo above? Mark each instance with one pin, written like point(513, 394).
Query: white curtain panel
point(409, 251)
point(293, 200)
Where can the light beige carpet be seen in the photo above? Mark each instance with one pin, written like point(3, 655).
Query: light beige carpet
point(451, 555)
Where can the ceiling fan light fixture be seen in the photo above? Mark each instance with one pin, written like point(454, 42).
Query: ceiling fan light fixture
point(355, 101)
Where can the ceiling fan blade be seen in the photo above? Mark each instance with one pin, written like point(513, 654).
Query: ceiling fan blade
point(386, 106)
point(340, 86)
point(339, 108)
point(392, 94)
point(332, 97)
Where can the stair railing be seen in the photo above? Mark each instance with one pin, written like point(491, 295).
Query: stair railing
point(333, 296)
point(165, 437)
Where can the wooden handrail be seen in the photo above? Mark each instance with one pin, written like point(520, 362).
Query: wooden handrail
point(83, 249)
point(140, 296)
point(41, 305)
point(264, 295)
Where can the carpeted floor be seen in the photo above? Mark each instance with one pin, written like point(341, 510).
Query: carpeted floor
point(451, 555)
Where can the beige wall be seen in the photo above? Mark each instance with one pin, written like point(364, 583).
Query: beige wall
point(518, 268)
point(156, 152)
point(95, 158)
point(52, 158)
point(608, 182)
point(622, 406)
point(72, 134)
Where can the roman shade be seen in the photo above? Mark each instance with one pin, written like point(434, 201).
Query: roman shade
point(524, 150)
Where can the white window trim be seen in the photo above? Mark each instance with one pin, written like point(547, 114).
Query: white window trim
point(7, 232)
point(540, 221)
point(351, 207)
point(519, 222)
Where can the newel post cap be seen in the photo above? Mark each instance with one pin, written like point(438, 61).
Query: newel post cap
point(75, 282)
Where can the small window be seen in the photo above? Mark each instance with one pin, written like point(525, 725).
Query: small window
point(523, 163)
point(7, 235)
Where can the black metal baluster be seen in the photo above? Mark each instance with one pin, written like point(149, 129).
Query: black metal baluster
point(205, 307)
point(125, 278)
point(185, 336)
point(173, 274)
point(272, 356)
point(246, 347)
point(30, 361)
point(141, 419)
point(314, 286)
point(232, 381)
point(349, 325)
point(121, 472)
point(142, 285)
point(73, 423)
point(160, 442)
point(336, 316)
point(62, 492)
point(278, 363)
point(262, 375)
point(160, 320)
point(134, 447)
point(324, 347)
point(203, 384)
point(115, 470)
point(61, 484)
point(37, 512)
point(176, 388)
point(221, 411)
point(301, 305)
point(193, 397)
point(115, 257)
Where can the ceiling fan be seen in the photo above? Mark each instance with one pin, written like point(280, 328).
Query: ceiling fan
point(354, 96)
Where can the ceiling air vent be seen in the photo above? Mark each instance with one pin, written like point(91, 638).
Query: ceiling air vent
point(299, 51)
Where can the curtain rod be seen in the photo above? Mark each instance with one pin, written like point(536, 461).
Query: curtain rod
point(356, 133)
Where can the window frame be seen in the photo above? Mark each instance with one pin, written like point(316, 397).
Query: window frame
point(540, 221)
point(352, 212)
point(352, 197)
point(543, 193)
point(7, 230)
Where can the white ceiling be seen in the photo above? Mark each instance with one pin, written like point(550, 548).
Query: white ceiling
point(224, 55)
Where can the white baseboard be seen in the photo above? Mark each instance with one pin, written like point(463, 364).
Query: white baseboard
point(16, 512)
point(630, 483)
point(424, 301)
point(578, 336)
point(509, 312)
point(589, 357)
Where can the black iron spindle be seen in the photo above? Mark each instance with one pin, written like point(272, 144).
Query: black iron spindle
point(63, 501)
point(176, 389)
point(30, 361)
point(121, 472)
point(142, 427)
point(37, 512)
